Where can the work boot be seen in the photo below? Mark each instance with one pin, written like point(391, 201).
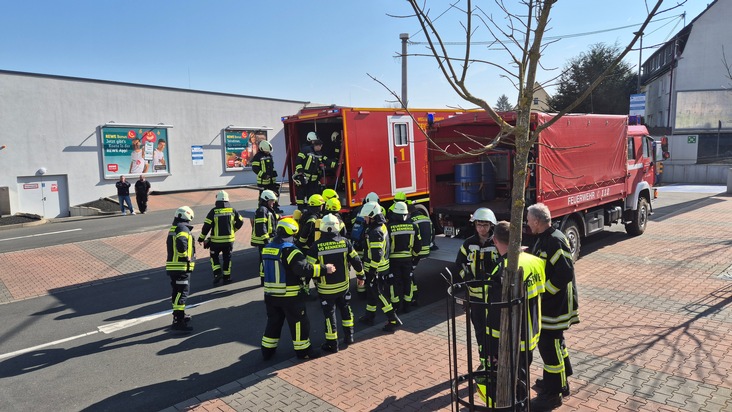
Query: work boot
point(181, 325)
point(268, 353)
point(393, 323)
point(540, 388)
point(348, 340)
point(330, 346)
point(217, 276)
point(310, 354)
point(546, 402)
point(406, 307)
point(367, 319)
point(227, 279)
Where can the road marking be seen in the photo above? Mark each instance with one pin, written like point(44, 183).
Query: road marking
point(40, 234)
point(107, 329)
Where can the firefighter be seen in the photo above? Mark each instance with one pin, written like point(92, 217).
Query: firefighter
point(310, 167)
point(559, 307)
point(404, 241)
point(180, 263)
point(329, 194)
point(263, 166)
point(333, 206)
point(286, 269)
point(476, 259)
point(376, 265)
point(310, 222)
point(534, 278)
point(265, 222)
point(421, 218)
point(333, 288)
point(223, 221)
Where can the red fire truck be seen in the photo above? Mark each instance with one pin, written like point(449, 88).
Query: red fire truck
point(590, 170)
point(378, 150)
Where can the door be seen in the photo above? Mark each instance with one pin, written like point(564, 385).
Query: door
point(639, 162)
point(45, 196)
point(401, 152)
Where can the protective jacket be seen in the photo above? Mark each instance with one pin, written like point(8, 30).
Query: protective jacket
point(404, 238)
point(263, 166)
point(311, 164)
point(181, 247)
point(265, 222)
point(286, 269)
point(426, 231)
point(376, 250)
point(336, 249)
point(306, 236)
point(476, 261)
point(223, 221)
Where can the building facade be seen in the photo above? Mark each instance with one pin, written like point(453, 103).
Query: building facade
point(68, 140)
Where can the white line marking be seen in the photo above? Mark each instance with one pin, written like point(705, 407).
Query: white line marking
point(40, 234)
point(107, 329)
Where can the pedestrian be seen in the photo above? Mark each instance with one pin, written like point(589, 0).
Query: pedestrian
point(180, 264)
point(286, 270)
point(405, 242)
point(333, 288)
point(559, 307)
point(142, 191)
point(476, 259)
point(265, 223)
point(376, 266)
point(123, 194)
point(222, 221)
point(263, 166)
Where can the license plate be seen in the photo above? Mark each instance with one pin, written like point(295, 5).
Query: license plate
point(448, 230)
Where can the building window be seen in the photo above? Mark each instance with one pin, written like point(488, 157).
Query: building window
point(536, 101)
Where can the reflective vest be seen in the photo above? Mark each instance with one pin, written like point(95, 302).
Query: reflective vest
point(275, 272)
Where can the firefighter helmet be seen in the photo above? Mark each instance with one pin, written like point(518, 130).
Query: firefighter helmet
point(184, 213)
point(400, 197)
point(401, 208)
point(370, 209)
point(484, 214)
point(330, 223)
point(334, 136)
point(316, 200)
point(268, 195)
point(333, 205)
point(222, 196)
point(371, 197)
point(287, 227)
point(312, 137)
point(265, 146)
point(329, 194)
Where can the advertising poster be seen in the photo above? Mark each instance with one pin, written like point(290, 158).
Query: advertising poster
point(240, 146)
point(134, 151)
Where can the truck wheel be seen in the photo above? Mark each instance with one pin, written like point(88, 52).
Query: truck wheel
point(640, 219)
point(571, 231)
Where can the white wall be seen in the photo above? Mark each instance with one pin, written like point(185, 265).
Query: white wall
point(51, 122)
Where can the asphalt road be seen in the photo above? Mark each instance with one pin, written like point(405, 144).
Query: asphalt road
point(108, 347)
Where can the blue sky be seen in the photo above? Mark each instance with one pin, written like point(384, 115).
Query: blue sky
point(318, 51)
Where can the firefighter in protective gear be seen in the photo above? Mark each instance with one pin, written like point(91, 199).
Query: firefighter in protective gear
point(399, 197)
point(421, 218)
point(310, 222)
point(222, 221)
point(559, 307)
point(333, 289)
point(376, 265)
point(263, 166)
point(533, 287)
point(329, 194)
point(286, 270)
point(310, 168)
point(333, 206)
point(476, 259)
point(180, 263)
point(404, 241)
point(265, 223)
point(358, 232)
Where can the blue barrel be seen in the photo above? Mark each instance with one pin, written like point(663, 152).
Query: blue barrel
point(489, 181)
point(467, 183)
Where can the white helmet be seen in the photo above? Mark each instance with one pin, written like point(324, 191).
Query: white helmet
point(312, 137)
point(334, 136)
point(371, 197)
point(330, 223)
point(370, 209)
point(401, 208)
point(184, 213)
point(484, 215)
point(222, 196)
point(265, 146)
point(268, 195)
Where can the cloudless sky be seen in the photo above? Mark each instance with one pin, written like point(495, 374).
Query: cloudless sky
point(309, 50)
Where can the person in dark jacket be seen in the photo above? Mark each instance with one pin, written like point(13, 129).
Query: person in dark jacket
point(142, 191)
point(559, 307)
point(222, 221)
point(263, 166)
point(286, 270)
point(123, 194)
point(404, 241)
point(179, 264)
point(265, 223)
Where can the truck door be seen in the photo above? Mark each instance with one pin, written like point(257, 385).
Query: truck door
point(639, 162)
point(401, 152)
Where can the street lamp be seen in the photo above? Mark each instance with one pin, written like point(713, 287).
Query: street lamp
point(404, 37)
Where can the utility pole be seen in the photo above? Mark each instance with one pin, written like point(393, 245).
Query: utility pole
point(404, 37)
point(640, 60)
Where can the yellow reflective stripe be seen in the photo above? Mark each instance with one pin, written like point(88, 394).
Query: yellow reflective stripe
point(551, 288)
point(270, 342)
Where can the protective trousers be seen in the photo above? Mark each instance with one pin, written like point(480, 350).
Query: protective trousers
point(329, 303)
point(375, 285)
point(291, 309)
point(225, 250)
point(556, 360)
point(179, 284)
point(261, 264)
point(401, 280)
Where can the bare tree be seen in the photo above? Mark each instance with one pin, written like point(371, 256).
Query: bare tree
point(519, 32)
point(727, 67)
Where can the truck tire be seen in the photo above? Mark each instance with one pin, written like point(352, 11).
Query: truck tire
point(640, 219)
point(572, 232)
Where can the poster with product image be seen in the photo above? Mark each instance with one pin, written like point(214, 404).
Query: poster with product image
point(134, 151)
point(240, 146)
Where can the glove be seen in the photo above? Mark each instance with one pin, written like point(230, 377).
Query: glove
point(265, 176)
point(297, 180)
point(207, 243)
